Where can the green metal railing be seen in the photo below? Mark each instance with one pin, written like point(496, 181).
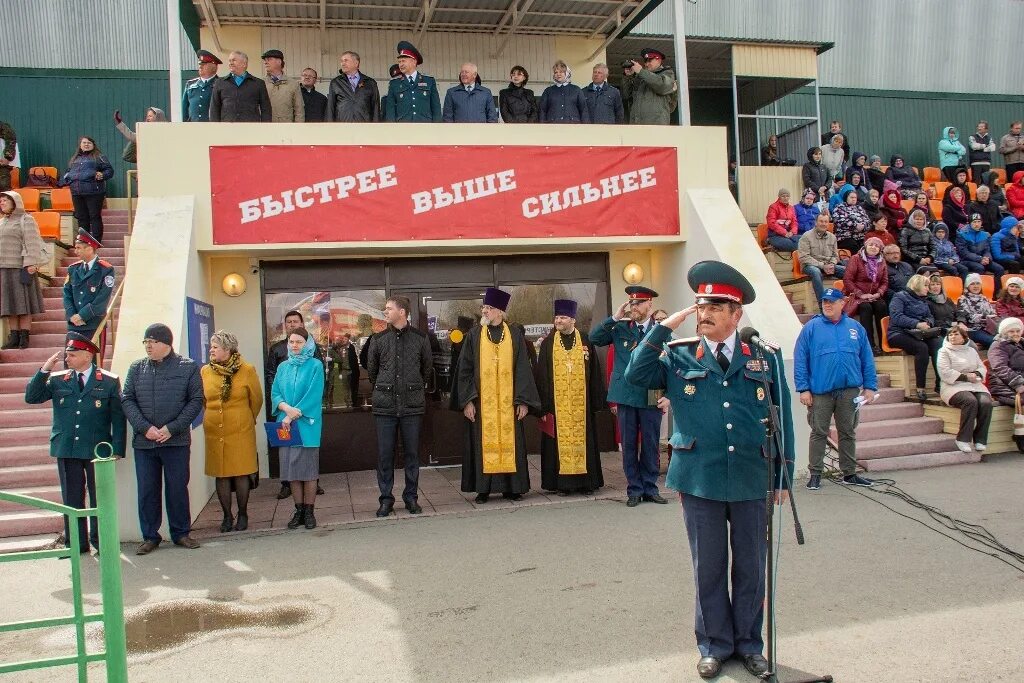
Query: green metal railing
point(112, 616)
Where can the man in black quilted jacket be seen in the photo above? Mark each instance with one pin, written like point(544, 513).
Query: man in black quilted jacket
point(162, 395)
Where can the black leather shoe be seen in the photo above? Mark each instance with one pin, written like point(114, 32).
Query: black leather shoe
point(285, 492)
point(385, 508)
point(755, 664)
point(227, 525)
point(655, 498)
point(310, 519)
point(298, 518)
point(413, 507)
point(709, 667)
point(632, 501)
point(243, 522)
point(516, 496)
point(482, 497)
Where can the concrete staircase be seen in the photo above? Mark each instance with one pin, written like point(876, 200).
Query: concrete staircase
point(893, 433)
point(25, 463)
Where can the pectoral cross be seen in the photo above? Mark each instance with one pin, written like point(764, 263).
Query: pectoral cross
point(568, 366)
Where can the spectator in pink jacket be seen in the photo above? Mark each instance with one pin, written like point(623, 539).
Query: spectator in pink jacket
point(782, 224)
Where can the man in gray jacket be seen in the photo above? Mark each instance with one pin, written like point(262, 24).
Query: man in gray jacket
point(398, 363)
point(819, 256)
point(240, 97)
point(163, 394)
point(285, 95)
point(1011, 146)
point(603, 99)
point(650, 89)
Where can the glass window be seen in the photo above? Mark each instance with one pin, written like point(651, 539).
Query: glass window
point(328, 315)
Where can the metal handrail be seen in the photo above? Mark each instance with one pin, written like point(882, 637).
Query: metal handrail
point(108, 314)
point(115, 651)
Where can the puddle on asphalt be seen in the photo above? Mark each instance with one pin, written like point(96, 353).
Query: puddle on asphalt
point(171, 624)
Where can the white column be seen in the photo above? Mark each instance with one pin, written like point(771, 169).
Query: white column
point(174, 59)
point(682, 77)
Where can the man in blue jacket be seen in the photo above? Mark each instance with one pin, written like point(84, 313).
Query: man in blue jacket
point(469, 102)
point(833, 366)
point(975, 248)
point(1005, 243)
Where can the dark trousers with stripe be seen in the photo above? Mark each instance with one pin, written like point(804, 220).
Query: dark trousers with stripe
point(76, 477)
point(726, 624)
point(640, 429)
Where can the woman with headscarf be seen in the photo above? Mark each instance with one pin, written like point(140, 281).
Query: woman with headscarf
point(1010, 303)
point(943, 310)
point(916, 243)
point(562, 101)
point(962, 385)
point(297, 402)
point(876, 176)
point(880, 231)
point(954, 209)
point(892, 207)
point(858, 164)
point(904, 177)
point(21, 254)
point(833, 156)
point(234, 401)
point(865, 283)
point(851, 221)
point(130, 153)
point(814, 174)
point(912, 328)
point(1006, 362)
point(976, 311)
point(871, 204)
point(517, 103)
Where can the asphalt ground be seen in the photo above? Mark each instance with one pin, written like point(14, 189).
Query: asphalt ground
point(583, 590)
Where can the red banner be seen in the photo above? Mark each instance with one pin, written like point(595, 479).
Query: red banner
point(288, 194)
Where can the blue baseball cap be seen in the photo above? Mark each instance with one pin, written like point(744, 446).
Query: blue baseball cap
point(832, 294)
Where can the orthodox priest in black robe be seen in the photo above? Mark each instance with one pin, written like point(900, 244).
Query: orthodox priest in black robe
point(496, 389)
point(571, 388)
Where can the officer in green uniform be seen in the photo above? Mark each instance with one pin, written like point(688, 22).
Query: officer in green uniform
point(412, 97)
point(718, 404)
point(86, 411)
point(195, 99)
point(88, 288)
point(639, 418)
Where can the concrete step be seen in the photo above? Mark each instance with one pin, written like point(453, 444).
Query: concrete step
point(797, 308)
point(48, 327)
point(21, 370)
point(20, 456)
point(50, 340)
point(50, 493)
point(26, 418)
point(16, 401)
point(889, 395)
point(13, 385)
point(28, 476)
point(884, 381)
point(891, 411)
point(25, 436)
point(889, 429)
point(20, 544)
point(36, 356)
point(918, 461)
point(30, 523)
point(900, 446)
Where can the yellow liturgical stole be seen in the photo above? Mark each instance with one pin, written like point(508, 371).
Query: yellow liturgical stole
point(570, 379)
point(497, 414)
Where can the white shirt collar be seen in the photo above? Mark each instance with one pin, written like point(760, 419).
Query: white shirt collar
point(90, 264)
point(730, 346)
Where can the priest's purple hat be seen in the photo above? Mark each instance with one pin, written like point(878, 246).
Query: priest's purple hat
point(496, 298)
point(566, 307)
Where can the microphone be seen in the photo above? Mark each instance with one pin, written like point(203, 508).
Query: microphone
point(749, 335)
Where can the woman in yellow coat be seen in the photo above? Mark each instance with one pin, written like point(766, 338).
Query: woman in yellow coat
point(234, 401)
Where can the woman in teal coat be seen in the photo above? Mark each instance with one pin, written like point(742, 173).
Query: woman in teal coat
point(296, 397)
point(951, 153)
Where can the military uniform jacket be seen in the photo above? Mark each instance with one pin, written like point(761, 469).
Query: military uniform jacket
point(195, 99)
point(87, 292)
point(417, 102)
point(624, 336)
point(81, 419)
point(717, 431)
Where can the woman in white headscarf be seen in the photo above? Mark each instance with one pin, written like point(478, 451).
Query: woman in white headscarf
point(563, 102)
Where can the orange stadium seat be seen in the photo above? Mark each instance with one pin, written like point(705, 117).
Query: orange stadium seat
point(839, 284)
point(60, 200)
point(936, 205)
point(907, 204)
point(798, 272)
point(973, 189)
point(953, 286)
point(30, 198)
point(940, 188)
point(885, 336)
point(1001, 174)
point(49, 224)
point(762, 236)
point(988, 285)
point(931, 174)
point(16, 177)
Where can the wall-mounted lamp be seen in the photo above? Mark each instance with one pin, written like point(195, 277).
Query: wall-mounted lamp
point(233, 284)
point(633, 273)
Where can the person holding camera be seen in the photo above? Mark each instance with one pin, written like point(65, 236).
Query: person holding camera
point(650, 88)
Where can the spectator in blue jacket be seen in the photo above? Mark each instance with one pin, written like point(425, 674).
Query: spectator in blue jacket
point(951, 153)
point(946, 258)
point(603, 99)
point(87, 176)
point(832, 366)
point(562, 101)
point(912, 328)
point(807, 211)
point(975, 249)
point(1006, 243)
point(469, 102)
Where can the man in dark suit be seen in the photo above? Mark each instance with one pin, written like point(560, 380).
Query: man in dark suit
point(88, 288)
point(240, 96)
point(353, 96)
point(412, 97)
point(86, 412)
point(313, 102)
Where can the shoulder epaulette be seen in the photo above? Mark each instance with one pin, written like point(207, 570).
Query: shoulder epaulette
point(108, 373)
point(686, 340)
point(76, 263)
point(105, 264)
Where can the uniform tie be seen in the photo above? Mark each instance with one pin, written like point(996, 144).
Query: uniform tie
point(411, 81)
point(81, 382)
point(720, 356)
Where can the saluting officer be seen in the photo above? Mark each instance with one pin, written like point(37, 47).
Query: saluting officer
point(639, 417)
point(718, 404)
point(413, 96)
point(88, 288)
point(195, 99)
point(86, 411)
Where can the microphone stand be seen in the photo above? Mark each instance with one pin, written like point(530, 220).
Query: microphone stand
point(771, 447)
